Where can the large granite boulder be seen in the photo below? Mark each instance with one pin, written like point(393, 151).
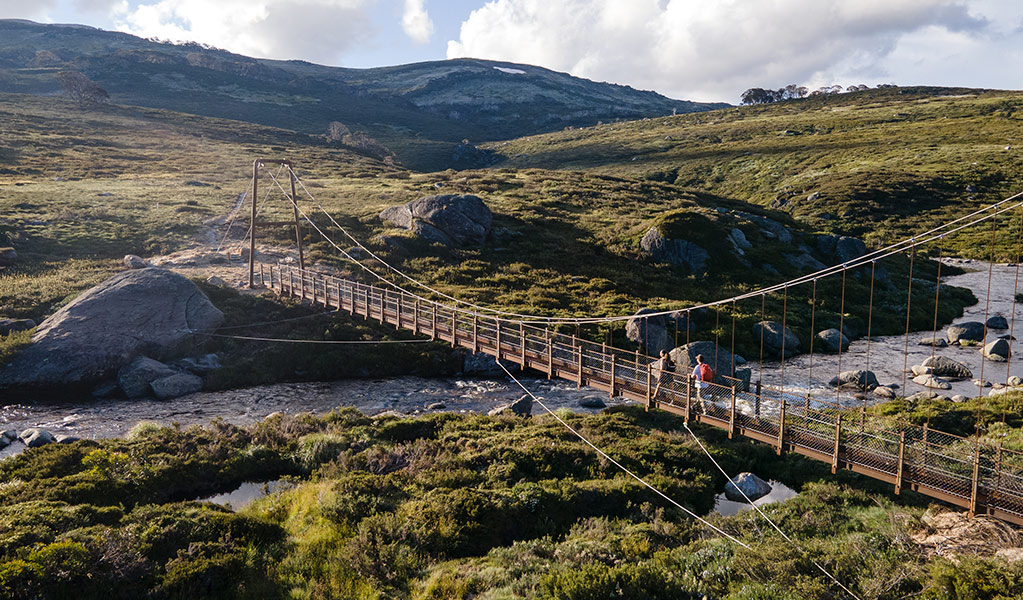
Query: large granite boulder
point(677, 252)
point(997, 350)
point(997, 322)
point(33, 438)
point(861, 380)
point(649, 332)
point(943, 366)
point(840, 249)
point(774, 335)
point(833, 340)
point(134, 378)
point(930, 381)
point(178, 384)
point(523, 407)
point(969, 330)
point(150, 312)
point(449, 219)
point(752, 486)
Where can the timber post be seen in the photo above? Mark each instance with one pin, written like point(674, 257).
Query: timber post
point(497, 321)
point(454, 328)
point(756, 399)
point(731, 416)
point(975, 481)
point(550, 354)
point(781, 427)
point(433, 317)
point(252, 238)
point(522, 342)
point(298, 230)
point(649, 391)
point(415, 318)
point(611, 390)
point(838, 443)
point(475, 332)
point(902, 461)
point(579, 364)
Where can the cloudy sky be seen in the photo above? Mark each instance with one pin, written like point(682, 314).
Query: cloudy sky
point(690, 49)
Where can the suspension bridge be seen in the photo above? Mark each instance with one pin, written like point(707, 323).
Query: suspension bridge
point(968, 472)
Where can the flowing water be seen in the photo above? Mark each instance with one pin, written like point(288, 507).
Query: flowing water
point(416, 395)
point(887, 354)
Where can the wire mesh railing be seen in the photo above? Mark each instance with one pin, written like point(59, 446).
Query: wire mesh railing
point(969, 472)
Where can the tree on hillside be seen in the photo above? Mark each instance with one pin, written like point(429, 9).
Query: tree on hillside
point(762, 96)
point(79, 88)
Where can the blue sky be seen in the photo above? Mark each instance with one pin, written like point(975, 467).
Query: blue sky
point(690, 49)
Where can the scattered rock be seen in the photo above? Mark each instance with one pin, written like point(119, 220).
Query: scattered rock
point(436, 406)
point(774, 336)
point(739, 241)
point(150, 312)
point(8, 326)
point(33, 438)
point(804, 262)
point(934, 342)
point(969, 330)
point(8, 256)
point(849, 248)
point(997, 350)
point(523, 407)
point(958, 398)
point(943, 366)
point(135, 377)
point(813, 196)
point(134, 262)
point(924, 395)
point(997, 322)
point(4, 442)
point(1015, 381)
point(884, 392)
point(752, 486)
point(452, 220)
point(199, 365)
point(980, 383)
point(833, 340)
point(592, 403)
point(485, 365)
point(217, 281)
point(933, 382)
point(922, 370)
point(62, 438)
point(10, 435)
point(676, 252)
point(173, 386)
point(107, 389)
point(649, 332)
point(864, 380)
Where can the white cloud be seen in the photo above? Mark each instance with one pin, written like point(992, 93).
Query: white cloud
point(315, 30)
point(711, 50)
point(415, 21)
point(20, 9)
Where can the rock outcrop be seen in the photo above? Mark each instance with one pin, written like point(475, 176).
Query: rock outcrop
point(943, 366)
point(969, 330)
point(862, 380)
point(833, 340)
point(775, 336)
point(452, 220)
point(8, 326)
point(752, 486)
point(150, 312)
point(649, 332)
point(997, 350)
point(674, 251)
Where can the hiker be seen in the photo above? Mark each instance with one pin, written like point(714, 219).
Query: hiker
point(663, 366)
point(703, 375)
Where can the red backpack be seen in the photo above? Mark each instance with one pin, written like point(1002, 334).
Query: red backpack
point(706, 373)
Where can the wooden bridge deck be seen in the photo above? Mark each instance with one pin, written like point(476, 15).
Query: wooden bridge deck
point(982, 478)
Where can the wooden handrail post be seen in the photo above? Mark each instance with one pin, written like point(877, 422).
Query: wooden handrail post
point(383, 305)
point(475, 332)
point(397, 325)
point(649, 390)
point(433, 317)
point(497, 321)
point(454, 327)
point(900, 465)
point(926, 427)
point(731, 416)
point(415, 317)
point(689, 395)
point(781, 427)
point(252, 224)
point(756, 399)
point(611, 392)
point(550, 355)
point(838, 442)
point(976, 480)
point(579, 362)
point(522, 342)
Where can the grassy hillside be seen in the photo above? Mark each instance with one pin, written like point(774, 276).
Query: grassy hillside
point(880, 164)
point(420, 110)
